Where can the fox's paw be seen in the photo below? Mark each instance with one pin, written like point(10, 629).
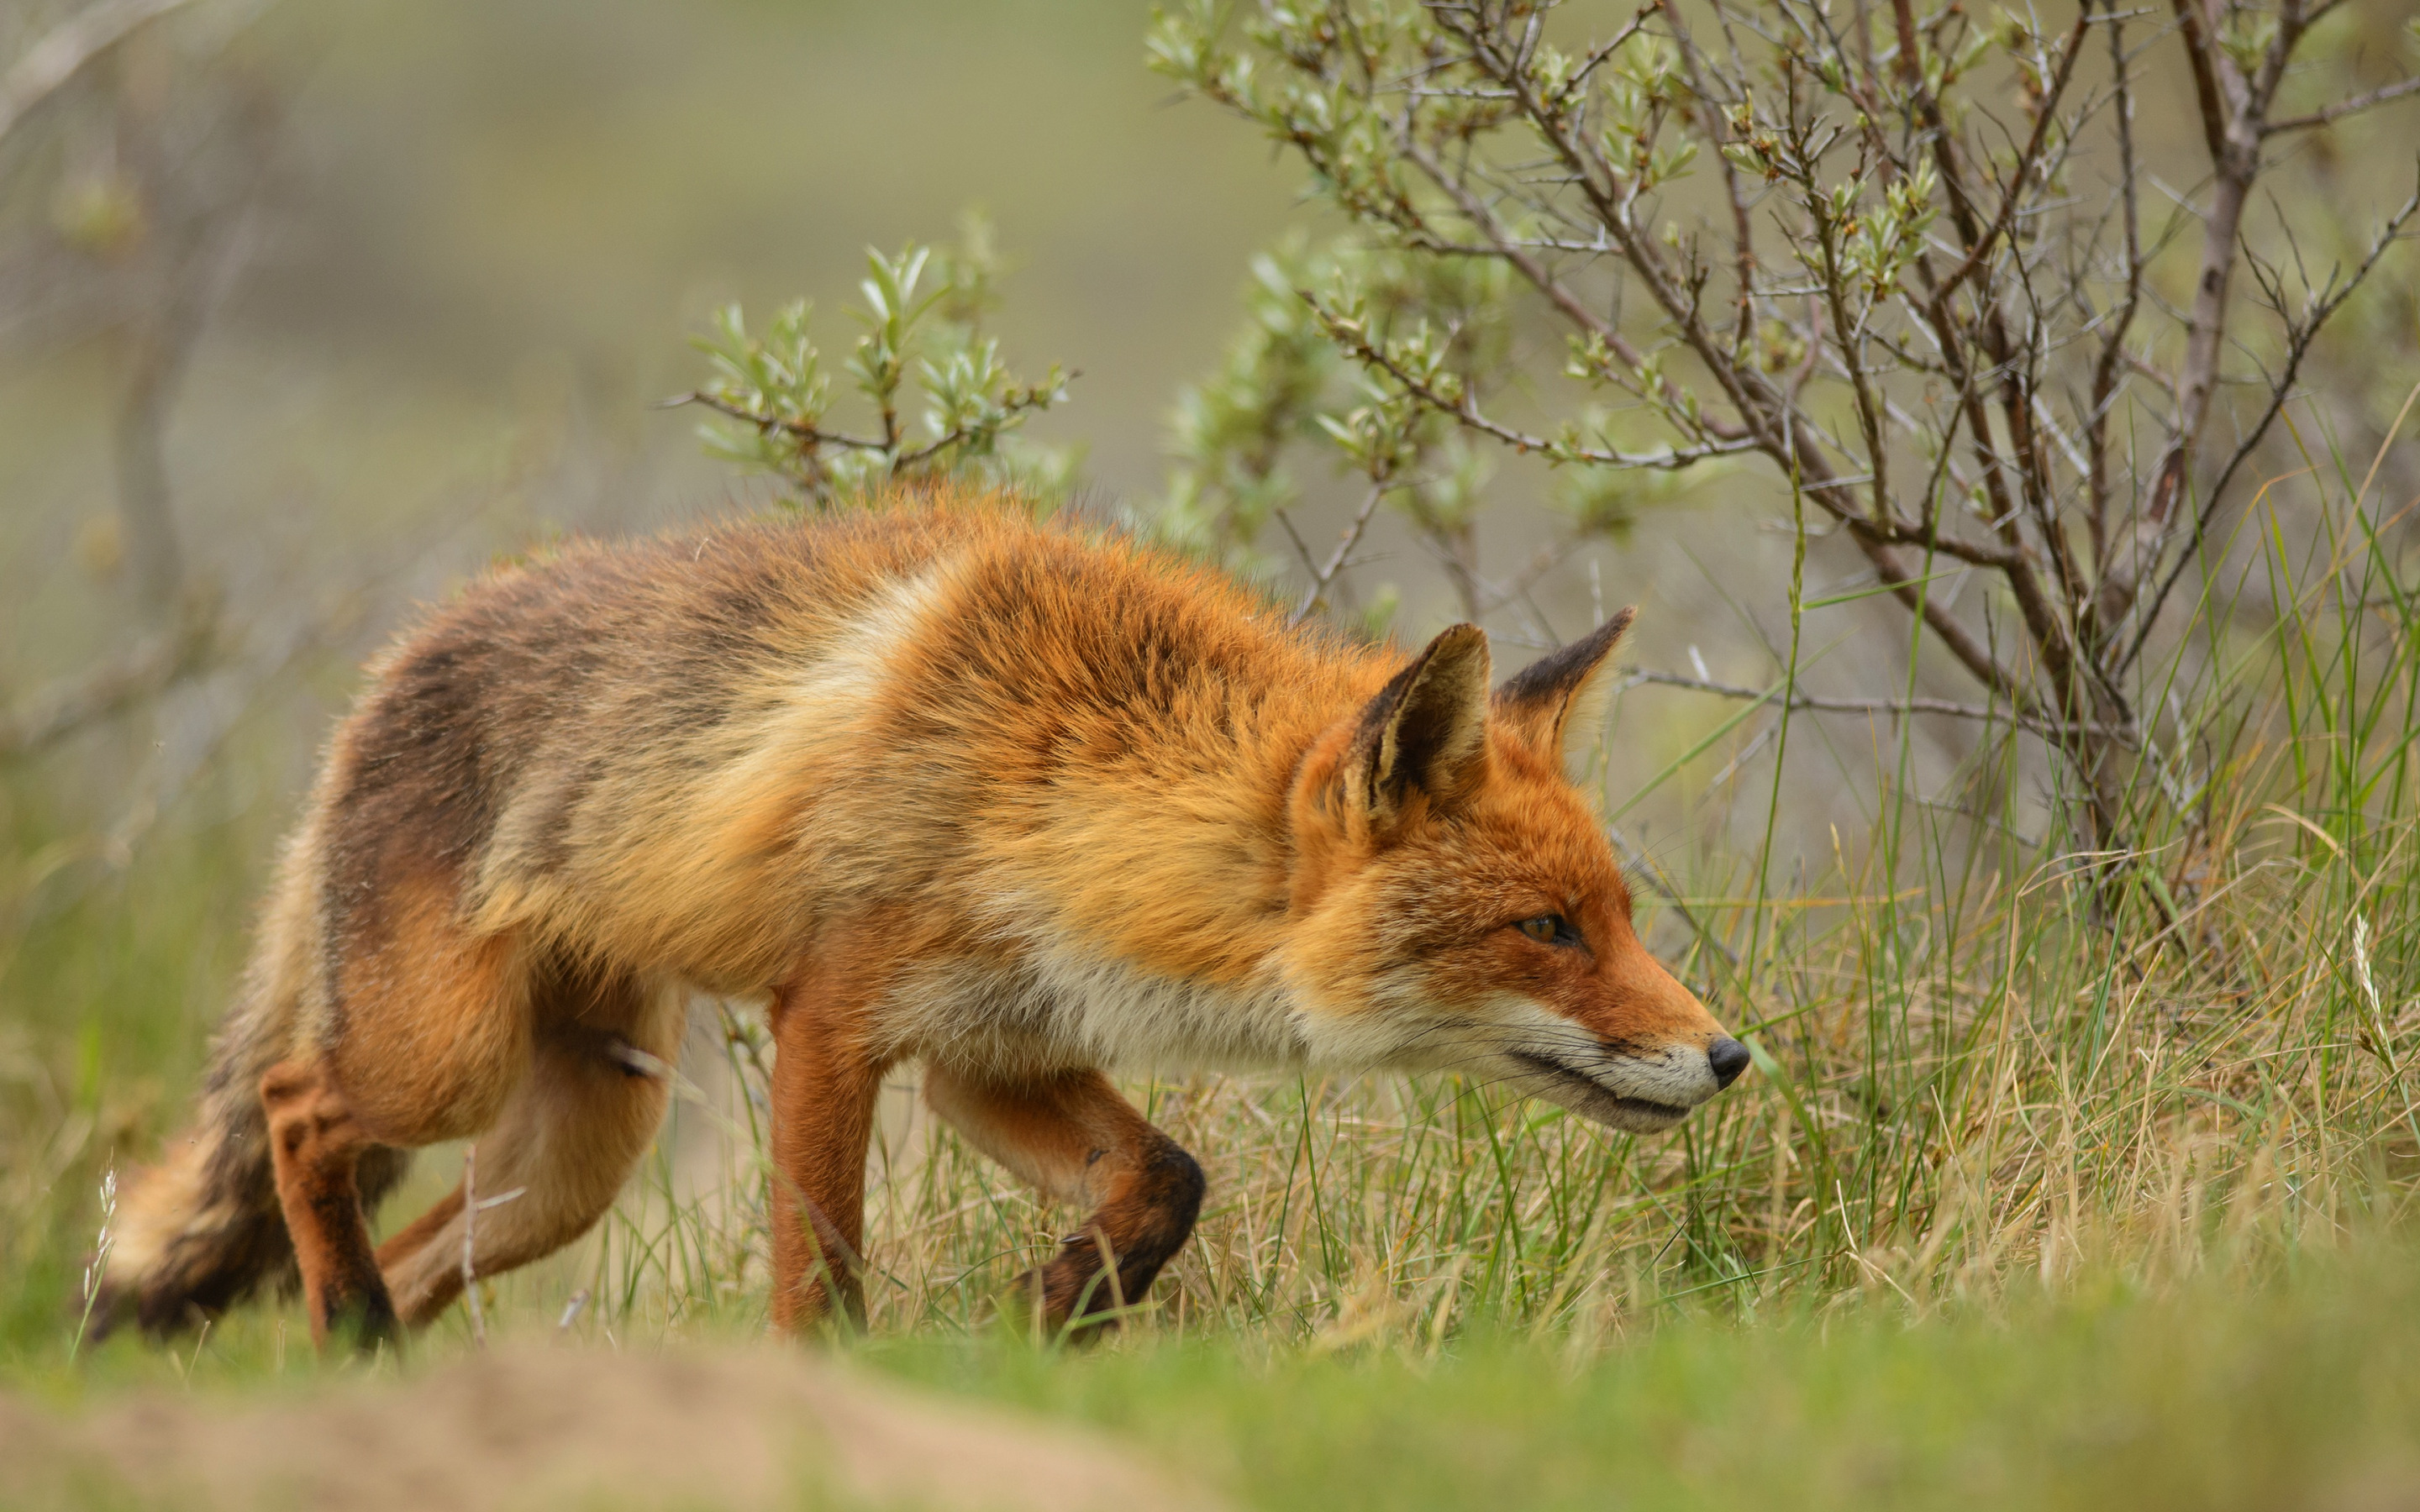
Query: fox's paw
point(1073, 1296)
point(364, 1324)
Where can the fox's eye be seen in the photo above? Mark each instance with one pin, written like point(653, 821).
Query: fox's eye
point(1549, 928)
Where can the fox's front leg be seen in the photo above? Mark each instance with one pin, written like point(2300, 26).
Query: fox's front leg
point(826, 1081)
point(1074, 1138)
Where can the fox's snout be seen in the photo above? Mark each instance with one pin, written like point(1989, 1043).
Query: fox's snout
point(1663, 1051)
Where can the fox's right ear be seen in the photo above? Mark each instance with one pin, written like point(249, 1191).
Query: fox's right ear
point(1425, 733)
point(1561, 698)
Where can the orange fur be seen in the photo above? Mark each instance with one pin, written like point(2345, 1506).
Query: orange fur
point(1020, 802)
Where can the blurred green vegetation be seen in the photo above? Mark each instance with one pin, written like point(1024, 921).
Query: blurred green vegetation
point(2300, 1395)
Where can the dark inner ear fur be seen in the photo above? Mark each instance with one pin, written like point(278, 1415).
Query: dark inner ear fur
point(1426, 731)
point(1563, 691)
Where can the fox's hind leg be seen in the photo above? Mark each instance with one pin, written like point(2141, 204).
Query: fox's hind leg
point(424, 1034)
point(427, 1032)
point(316, 1146)
point(600, 1063)
point(1074, 1138)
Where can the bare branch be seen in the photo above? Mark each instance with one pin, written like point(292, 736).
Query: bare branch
point(1613, 217)
point(1989, 713)
point(811, 435)
point(2345, 107)
point(2300, 336)
point(1709, 121)
point(1017, 403)
point(1301, 548)
point(1354, 338)
point(2231, 131)
point(2026, 161)
point(1953, 277)
point(144, 671)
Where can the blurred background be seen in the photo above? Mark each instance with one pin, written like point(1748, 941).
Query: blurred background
point(310, 310)
point(431, 263)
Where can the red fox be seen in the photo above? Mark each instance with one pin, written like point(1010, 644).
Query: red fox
point(1018, 801)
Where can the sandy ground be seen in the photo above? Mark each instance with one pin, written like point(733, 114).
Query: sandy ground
point(566, 1427)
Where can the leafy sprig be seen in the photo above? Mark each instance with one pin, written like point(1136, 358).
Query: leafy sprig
point(921, 312)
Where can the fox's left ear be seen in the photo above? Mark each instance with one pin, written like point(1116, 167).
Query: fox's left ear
point(1562, 696)
point(1426, 732)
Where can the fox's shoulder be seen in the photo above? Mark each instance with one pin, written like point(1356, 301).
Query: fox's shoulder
point(1097, 612)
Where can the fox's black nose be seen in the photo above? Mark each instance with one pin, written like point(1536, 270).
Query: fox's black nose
point(1730, 1057)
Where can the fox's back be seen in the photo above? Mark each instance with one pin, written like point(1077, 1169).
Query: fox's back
point(687, 749)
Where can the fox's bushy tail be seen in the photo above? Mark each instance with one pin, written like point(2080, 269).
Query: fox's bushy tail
point(201, 1229)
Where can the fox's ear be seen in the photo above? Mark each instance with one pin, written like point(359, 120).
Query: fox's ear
point(1426, 731)
point(1561, 698)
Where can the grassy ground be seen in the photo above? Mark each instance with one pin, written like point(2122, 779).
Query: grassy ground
point(2059, 1181)
point(2300, 1391)
point(2302, 1394)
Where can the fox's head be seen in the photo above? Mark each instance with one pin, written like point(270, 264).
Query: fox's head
point(1459, 906)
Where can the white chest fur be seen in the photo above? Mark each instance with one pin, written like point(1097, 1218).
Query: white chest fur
point(1063, 1007)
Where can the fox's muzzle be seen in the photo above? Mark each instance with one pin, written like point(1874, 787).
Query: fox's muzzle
point(1640, 1094)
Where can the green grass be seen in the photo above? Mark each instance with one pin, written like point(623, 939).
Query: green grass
point(2302, 1392)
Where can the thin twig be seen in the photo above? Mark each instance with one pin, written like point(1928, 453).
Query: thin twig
point(1352, 537)
point(1301, 548)
point(2047, 117)
point(2300, 335)
point(1351, 336)
point(1636, 675)
point(470, 1235)
point(800, 430)
point(2345, 107)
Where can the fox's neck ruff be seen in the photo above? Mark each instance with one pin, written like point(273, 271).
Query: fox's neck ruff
point(1165, 949)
